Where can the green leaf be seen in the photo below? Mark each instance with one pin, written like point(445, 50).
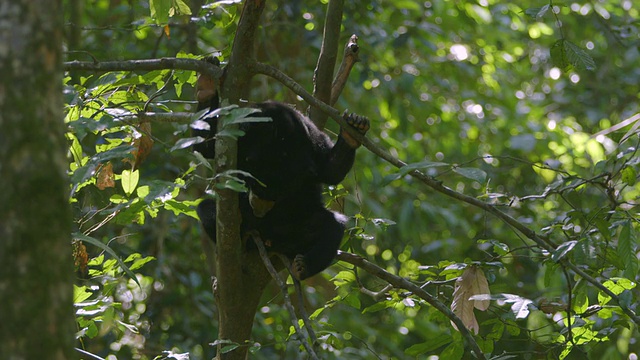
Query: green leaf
point(629, 175)
point(563, 250)
point(627, 245)
point(617, 286)
point(537, 12)
point(80, 294)
point(559, 57)
point(549, 273)
point(129, 181)
point(455, 350)
point(182, 8)
point(581, 302)
point(227, 345)
point(578, 57)
point(138, 261)
point(499, 248)
point(353, 301)
point(471, 173)
point(379, 306)
point(187, 142)
point(108, 250)
point(160, 10)
point(565, 55)
point(430, 345)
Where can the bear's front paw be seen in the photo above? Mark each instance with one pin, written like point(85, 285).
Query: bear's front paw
point(360, 123)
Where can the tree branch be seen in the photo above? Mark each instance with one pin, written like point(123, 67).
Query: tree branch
point(285, 294)
point(146, 65)
point(327, 60)
point(349, 59)
point(303, 312)
point(403, 283)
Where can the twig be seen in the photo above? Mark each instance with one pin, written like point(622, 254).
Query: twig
point(301, 307)
point(349, 58)
point(177, 117)
point(403, 283)
point(285, 294)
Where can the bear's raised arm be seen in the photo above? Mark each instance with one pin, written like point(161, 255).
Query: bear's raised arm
point(339, 159)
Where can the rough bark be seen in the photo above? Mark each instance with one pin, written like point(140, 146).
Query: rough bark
point(241, 277)
point(35, 219)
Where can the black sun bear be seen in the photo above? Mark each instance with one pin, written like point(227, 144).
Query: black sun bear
point(291, 159)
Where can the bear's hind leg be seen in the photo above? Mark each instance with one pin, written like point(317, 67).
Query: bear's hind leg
point(324, 235)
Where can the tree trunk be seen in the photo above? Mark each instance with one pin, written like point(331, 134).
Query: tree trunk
point(241, 277)
point(35, 253)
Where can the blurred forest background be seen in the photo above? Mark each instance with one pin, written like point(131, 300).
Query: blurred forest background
point(513, 104)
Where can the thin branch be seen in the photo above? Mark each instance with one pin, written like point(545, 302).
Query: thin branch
point(301, 307)
point(285, 294)
point(327, 60)
point(177, 117)
point(349, 59)
point(403, 283)
point(145, 65)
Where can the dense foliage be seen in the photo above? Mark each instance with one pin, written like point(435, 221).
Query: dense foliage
point(511, 104)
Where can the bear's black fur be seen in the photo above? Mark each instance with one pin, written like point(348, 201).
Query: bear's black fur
point(292, 158)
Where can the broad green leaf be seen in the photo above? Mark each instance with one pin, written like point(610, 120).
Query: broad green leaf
point(80, 294)
point(455, 350)
point(138, 261)
point(353, 301)
point(160, 10)
point(187, 142)
point(626, 250)
point(429, 345)
point(471, 173)
point(629, 175)
point(379, 306)
point(565, 55)
point(227, 345)
point(578, 57)
point(559, 56)
point(182, 8)
point(129, 180)
point(537, 13)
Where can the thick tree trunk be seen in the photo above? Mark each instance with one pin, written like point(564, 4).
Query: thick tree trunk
point(241, 277)
point(35, 253)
